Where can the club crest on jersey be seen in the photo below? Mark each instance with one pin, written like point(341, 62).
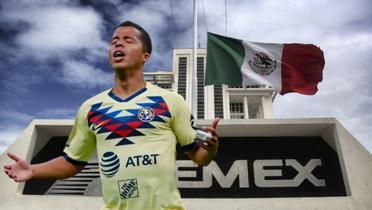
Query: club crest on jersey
point(146, 114)
point(262, 64)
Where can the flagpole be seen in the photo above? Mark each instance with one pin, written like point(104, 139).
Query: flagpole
point(194, 95)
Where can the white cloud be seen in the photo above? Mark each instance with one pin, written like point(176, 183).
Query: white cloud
point(56, 31)
point(81, 74)
point(282, 21)
point(152, 16)
point(14, 116)
point(16, 123)
point(8, 135)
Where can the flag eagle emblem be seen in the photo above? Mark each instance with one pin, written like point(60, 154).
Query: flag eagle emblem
point(262, 64)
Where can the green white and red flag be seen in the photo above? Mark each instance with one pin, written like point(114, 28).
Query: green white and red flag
point(285, 67)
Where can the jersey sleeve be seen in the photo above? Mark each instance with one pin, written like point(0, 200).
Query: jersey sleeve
point(181, 123)
point(81, 142)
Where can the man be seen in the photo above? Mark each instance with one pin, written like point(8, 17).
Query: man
point(134, 127)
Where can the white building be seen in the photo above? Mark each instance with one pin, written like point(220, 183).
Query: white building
point(251, 102)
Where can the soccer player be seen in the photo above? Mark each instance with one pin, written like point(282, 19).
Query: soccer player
point(134, 127)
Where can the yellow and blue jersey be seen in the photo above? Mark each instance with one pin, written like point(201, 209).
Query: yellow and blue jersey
point(136, 142)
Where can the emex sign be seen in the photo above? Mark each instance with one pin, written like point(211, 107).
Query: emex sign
point(248, 167)
point(239, 171)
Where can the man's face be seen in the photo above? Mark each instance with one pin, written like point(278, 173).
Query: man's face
point(126, 50)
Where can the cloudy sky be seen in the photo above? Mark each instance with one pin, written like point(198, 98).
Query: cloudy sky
point(53, 55)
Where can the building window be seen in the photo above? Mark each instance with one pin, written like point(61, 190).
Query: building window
point(200, 75)
point(182, 66)
point(236, 111)
point(254, 110)
point(218, 102)
point(167, 86)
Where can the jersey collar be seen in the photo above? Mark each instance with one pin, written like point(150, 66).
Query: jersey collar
point(117, 98)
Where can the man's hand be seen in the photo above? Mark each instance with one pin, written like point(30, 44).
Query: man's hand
point(211, 144)
point(19, 171)
point(208, 149)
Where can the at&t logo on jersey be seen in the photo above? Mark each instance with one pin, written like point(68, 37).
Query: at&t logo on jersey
point(110, 164)
point(146, 114)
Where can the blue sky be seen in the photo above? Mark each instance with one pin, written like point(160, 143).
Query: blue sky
point(54, 53)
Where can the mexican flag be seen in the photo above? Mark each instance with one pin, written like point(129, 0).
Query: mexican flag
point(285, 67)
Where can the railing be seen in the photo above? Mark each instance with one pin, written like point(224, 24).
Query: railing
point(236, 115)
point(76, 185)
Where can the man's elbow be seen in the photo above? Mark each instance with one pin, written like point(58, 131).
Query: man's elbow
point(200, 157)
point(203, 162)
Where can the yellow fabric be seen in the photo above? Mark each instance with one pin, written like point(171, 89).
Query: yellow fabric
point(136, 146)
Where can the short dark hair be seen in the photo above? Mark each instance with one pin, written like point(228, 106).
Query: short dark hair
point(144, 36)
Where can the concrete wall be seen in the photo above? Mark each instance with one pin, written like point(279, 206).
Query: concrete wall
point(355, 161)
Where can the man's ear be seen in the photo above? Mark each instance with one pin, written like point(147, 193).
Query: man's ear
point(146, 56)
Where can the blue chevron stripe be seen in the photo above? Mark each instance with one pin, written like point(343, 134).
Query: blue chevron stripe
point(156, 99)
point(124, 141)
point(146, 104)
point(113, 114)
point(96, 106)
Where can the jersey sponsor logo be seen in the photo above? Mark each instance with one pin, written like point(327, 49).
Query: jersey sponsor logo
point(146, 114)
point(110, 164)
point(141, 160)
point(128, 188)
point(105, 119)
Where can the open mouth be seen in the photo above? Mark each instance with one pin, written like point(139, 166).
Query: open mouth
point(118, 55)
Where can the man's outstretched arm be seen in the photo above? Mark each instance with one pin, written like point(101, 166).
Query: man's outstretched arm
point(57, 168)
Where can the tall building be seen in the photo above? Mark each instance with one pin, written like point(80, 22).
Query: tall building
point(226, 102)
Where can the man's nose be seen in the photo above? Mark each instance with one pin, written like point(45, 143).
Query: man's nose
point(119, 45)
